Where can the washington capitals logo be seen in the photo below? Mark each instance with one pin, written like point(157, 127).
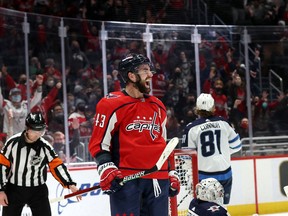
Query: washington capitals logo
point(144, 124)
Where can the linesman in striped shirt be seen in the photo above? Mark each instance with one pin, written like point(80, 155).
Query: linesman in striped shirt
point(23, 170)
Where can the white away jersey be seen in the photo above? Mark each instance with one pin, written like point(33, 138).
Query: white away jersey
point(215, 140)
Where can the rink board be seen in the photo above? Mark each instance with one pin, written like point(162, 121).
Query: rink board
point(258, 185)
point(257, 188)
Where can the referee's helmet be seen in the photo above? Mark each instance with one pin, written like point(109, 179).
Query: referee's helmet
point(35, 121)
point(130, 64)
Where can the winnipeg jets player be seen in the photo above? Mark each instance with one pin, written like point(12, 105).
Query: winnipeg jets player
point(215, 140)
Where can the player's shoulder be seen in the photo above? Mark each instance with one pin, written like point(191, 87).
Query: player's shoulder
point(202, 120)
point(153, 99)
point(196, 122)
point(14, 138)
point(114, 98)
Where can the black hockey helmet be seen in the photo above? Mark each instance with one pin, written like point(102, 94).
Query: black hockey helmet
point(35, 121)
point(130, 64)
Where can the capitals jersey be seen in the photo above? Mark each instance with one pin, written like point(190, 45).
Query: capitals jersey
point(130, 132)
point(215, 140)
point(203, 208)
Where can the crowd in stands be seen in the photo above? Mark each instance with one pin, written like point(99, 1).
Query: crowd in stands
point(222, 73)
point(147, 11)
point(251, 12)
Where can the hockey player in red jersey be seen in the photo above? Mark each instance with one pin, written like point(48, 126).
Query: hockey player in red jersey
point(129, 135)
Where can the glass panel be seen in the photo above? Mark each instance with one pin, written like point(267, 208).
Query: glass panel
point(225, 52)
point(175, 83)
point(12, 52)
point(84, 79)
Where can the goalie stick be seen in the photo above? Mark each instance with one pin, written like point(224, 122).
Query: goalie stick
point(163, 157)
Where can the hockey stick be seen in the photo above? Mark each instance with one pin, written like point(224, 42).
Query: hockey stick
point(164, 156)
point(286, 190)
point(182, 200)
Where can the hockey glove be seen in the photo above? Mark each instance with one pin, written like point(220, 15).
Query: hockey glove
point(174, 183)
point(110, 178)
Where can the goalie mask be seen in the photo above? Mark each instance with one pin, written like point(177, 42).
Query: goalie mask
point(210, 190)
point(130, 64)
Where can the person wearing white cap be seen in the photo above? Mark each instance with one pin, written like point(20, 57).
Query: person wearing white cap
point(214, 140)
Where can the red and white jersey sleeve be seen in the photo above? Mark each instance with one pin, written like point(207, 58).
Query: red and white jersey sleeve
point(132, 131)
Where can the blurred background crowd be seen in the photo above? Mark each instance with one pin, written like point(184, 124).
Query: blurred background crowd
point(221, 63)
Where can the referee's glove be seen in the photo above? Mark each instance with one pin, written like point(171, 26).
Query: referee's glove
point(174, 183)
point(110, 177)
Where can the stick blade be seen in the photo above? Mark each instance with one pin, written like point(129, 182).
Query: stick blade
point(57, 199)
point(286, 190)
point(167, 151)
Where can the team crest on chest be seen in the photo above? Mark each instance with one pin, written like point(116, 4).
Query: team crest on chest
point(214, 208)
point(142, 123)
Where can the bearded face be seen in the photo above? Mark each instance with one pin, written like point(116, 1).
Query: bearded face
point(143, 79)
point(143, 85)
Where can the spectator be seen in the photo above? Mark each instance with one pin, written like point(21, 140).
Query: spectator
point(218, 93)
point(160, 54)
point(78, 62)
point(208, 83)
point(280, 114)
point(185, 110)
point(206, 76)
point(244, 128)
point(113, 82)
point(22, 82)
point(261, 113)
point(19, 107)
point(79, 114)
point(34, 67)
point(172, 124)
point(187, 71)
point(159, 82)
point(51, 71)
point(255, 70)
point(171, 96)
point(47, 102)
point(237, 100)
point(56, 119)
point(180, 81)
point(59, 142)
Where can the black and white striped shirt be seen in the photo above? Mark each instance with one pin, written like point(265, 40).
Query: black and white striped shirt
point(25, 164)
